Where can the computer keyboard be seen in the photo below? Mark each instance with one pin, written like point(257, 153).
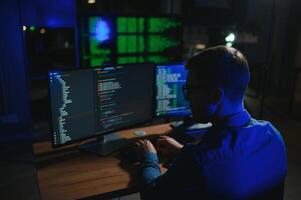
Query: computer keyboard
point(132, 155)
point(131, 152)
point(182, 131)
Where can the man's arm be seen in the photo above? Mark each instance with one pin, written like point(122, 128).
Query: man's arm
point(150, 169)
point(177, 179)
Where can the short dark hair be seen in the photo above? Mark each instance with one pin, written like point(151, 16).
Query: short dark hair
point(224, 67)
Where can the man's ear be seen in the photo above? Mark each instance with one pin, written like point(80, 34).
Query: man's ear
point(217, 96)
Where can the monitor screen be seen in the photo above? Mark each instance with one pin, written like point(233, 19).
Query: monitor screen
point(91, 102)
point(170, 99)
point(129, 39)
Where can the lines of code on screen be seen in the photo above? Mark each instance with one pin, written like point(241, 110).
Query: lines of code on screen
point(170, 99)
point(123, 98)
point(72, 105)
point(111, 40)
point(92, 102)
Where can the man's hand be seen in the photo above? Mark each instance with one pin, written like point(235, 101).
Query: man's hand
point(146, 146)
point(167, 145)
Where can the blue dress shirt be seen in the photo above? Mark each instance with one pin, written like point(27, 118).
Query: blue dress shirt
point(239, 158)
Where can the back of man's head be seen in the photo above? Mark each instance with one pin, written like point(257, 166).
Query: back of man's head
point(222, 67)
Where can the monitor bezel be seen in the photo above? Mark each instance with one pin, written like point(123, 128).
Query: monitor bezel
point(154, 106)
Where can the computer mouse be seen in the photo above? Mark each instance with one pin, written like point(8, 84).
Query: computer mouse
point(140, 133)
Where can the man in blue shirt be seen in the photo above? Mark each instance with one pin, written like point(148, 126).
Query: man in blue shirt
point(239, 158)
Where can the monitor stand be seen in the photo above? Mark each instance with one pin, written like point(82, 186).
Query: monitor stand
point(105, 144)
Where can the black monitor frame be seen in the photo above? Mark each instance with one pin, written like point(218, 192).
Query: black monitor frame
point(154, 105)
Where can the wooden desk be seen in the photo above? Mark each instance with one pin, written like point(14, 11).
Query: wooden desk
point(78, 174)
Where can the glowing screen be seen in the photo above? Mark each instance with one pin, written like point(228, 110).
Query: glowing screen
point(120, 40)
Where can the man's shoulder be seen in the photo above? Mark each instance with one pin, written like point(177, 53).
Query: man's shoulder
point(237, 142)
point(264, 128)
point(258, 122)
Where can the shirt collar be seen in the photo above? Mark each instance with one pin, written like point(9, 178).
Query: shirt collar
point(236, 120)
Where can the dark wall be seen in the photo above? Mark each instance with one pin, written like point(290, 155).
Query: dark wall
point(16, 109)
point(278, 24)
point(48, 13)
point(259, 18)
point(285, 40)
point(290, 49)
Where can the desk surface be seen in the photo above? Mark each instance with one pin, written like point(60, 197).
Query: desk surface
point(77, 174)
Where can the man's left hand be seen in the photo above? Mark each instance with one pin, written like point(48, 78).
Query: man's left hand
point(146, 146)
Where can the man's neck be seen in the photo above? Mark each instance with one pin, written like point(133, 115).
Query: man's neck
point(227, 110)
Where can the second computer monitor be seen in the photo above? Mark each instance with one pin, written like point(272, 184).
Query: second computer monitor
point(170, 99)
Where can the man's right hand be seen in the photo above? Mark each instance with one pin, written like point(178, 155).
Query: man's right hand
point(167, 145)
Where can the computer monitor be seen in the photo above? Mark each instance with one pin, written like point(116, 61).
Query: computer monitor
point(170, 99)
point(90, 103)
point(112, 39)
